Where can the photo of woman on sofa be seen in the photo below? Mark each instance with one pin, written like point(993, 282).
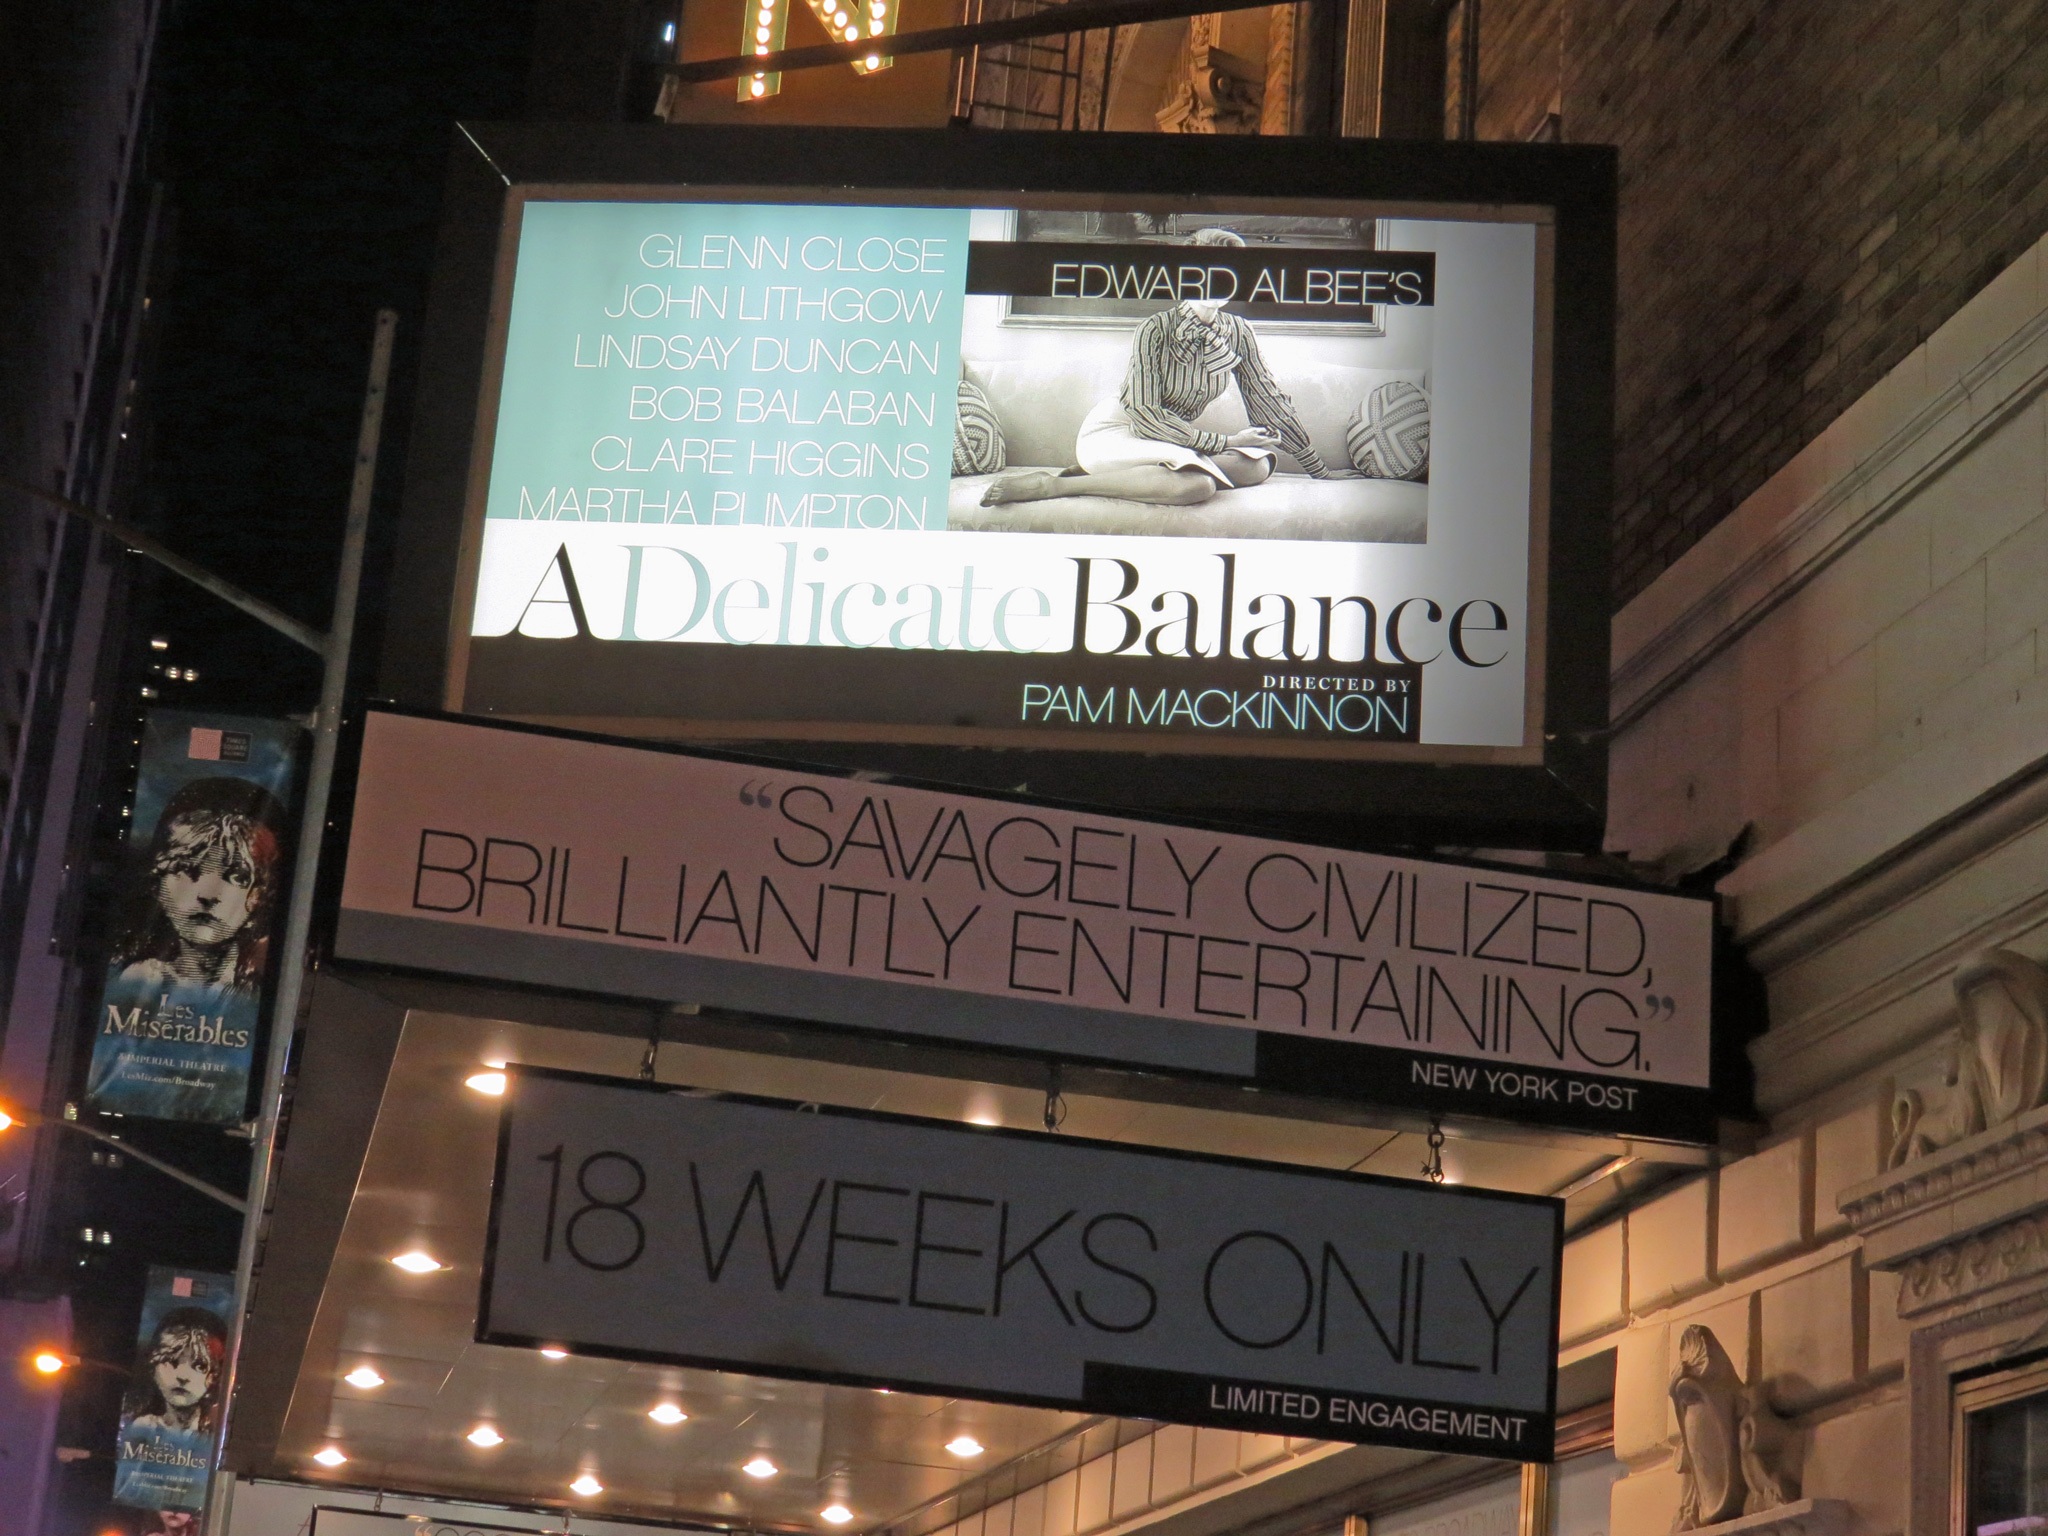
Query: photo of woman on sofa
point(1144, 446)
point(1161, 455)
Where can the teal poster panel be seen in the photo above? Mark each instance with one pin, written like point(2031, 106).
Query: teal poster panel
point(733, 365)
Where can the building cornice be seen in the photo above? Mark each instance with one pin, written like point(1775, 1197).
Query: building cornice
point(1962, 1220)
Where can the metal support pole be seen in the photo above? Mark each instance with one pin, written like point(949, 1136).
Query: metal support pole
point(291, 970)
point(129, 1149)
point(152, 548)
point(1533, 1511)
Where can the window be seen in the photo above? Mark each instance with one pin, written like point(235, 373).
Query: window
point(2001, 1449)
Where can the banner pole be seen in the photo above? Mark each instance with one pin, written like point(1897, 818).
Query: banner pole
point(291, 970)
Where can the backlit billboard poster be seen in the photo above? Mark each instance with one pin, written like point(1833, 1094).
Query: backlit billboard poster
point(1235, 474)
point(170, 1412)
point(1241, 479)
point(202, 895)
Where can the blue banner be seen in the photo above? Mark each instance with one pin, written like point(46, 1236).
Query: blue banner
point(170, 1413)
point(202, 899)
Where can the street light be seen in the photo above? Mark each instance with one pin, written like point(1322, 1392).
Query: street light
point(53, 1362)
point(11, 1118)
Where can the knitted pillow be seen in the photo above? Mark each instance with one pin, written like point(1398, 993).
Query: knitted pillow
point(1389, 437)
point(977, 435)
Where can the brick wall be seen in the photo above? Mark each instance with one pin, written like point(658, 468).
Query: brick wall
point(1808, 191)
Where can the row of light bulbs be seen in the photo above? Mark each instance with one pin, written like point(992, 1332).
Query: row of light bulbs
point(763, 30)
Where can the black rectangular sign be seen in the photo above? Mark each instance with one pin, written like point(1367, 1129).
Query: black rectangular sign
point(644, 1222)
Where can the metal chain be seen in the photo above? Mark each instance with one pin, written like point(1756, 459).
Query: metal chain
point(653, 1048)
point(1433, 1170)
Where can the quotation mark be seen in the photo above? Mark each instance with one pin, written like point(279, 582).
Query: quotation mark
point(1662, 1007)
point(752, 796)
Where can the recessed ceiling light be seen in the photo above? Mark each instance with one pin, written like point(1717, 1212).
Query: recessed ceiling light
point(492, 1083)
point(965, 1446)
point(362, 1376)
point(331, 1457)
point(760, 1466)
point(485, 1436)
point(666, 1413)
point(586, 1487)
point(554, 1354)
point(835, 1514)
point(417, 1263)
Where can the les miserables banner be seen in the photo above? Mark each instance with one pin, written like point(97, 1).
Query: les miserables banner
point(202, 899)
point(170, 1413)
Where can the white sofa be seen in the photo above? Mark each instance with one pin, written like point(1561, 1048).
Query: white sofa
point(1041, 403)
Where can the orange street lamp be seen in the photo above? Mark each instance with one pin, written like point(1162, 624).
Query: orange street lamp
point(48, 1362)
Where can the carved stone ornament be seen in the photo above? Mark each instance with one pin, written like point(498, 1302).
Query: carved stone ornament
point(1961, 1220)
point(1733, 1449)
point(1998, 1063)
point(1220, 93)
point(1802, 1517)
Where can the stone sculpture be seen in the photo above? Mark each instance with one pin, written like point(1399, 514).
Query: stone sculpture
point(1998, 1063)
point(1733, 1449)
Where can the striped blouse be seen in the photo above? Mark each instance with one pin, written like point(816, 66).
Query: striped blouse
point(1179, 367)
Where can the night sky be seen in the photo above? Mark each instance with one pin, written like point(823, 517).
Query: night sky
point(303, 148)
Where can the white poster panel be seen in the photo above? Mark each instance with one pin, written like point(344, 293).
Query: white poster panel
point(646, 1222)
point(1269, 477)
point(554, 860)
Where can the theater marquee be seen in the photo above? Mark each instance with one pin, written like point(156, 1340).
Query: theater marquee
point(1293, 488)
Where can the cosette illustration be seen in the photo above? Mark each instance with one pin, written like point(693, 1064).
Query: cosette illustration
point(204, 893)
point(170, 1411)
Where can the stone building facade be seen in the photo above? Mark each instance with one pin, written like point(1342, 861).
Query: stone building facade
point(1846, 671)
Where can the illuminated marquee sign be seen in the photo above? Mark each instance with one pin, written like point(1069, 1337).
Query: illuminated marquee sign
point(1301, 495)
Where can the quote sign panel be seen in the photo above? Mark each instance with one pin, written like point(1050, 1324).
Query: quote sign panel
point(553, 860)
point(768, 1237)
point(1267, 480)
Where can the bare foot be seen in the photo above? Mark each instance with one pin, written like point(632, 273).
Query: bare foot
point(1029, 486)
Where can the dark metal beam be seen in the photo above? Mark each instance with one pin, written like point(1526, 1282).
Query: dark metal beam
point(151, 548)
point(1086, 16)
